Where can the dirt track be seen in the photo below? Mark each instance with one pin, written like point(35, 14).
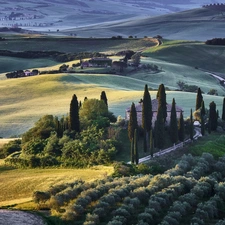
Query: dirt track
point(12, 217)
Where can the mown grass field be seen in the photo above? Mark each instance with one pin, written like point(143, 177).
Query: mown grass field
point(18, 185)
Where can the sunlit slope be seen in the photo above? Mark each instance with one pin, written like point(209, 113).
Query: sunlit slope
point(182, 61)
point(25, 100)
point(19, 185)
point(195, 54)
point(196, 24)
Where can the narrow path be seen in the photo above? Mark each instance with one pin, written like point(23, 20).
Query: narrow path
point(215, 75)
point(173, 148)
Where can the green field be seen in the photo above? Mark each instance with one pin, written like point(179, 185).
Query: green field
point(8, 64)
point(25, 100)
point(73, 44)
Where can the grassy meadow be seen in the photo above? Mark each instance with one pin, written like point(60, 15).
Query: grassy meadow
point(25, 100)
point(30, 98)
point(18, 185)
point(73, 44)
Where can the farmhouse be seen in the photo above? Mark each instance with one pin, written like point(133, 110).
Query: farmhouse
point(97, 62)
point(154, 112)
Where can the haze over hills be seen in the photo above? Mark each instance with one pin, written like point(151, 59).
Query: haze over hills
point(52, 15)
point(195, 24)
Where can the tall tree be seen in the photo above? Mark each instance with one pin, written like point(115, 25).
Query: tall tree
point(223, 111)
point(159, 130)
point(199, 99)
point(202, 125)
point(213, 115)
point(146, 115)
point(203, 108)
point(74, 121)
point(161, 97)
point(173, 129)
point(136, 156)
point(191, 126)
point(104, 98)
point(151, 143)
point(181, 127)
point(132, 125)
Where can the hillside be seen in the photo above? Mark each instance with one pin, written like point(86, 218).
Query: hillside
point(52, 15)
point(25, 100)
point(186, 25)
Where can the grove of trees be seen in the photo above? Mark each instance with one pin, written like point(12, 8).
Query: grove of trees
point(80, 139)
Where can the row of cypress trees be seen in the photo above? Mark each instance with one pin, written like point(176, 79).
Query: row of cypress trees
point(213, 114)
point(154, 137)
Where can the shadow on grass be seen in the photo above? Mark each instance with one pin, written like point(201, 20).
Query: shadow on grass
point(6, 168)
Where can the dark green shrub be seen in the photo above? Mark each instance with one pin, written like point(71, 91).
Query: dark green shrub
point(11, 147)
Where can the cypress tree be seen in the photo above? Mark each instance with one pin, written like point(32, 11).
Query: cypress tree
point(202, 125)
point(136, 157)
point(203, 108)
point(199, 99)
point(74, 122)
point(209, 126)
point(191, 126)
point(181, 127)
point(146, 115)
point(173, 123)
point(223, 111)
point(213, 115)
point(132, 151)
point(159, 130)
point(161, 97)
point(151, 143)
point(104, 98)
point(132, 125)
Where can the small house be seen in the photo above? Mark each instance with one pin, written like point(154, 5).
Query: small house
point(154, 112)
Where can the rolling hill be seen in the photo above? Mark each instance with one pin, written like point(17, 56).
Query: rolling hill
point(53, 15)
point(196, 24)
point(25, 100)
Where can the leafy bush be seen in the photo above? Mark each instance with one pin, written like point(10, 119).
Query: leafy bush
point(11, 147)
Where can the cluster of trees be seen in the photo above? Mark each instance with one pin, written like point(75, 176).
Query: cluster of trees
point(79, 139)
point(191, 192)
point(21, 73)
point(216, 41)
point(154, 134)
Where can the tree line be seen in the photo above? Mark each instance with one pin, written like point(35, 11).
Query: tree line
point(216, 41)
point(155, 136)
